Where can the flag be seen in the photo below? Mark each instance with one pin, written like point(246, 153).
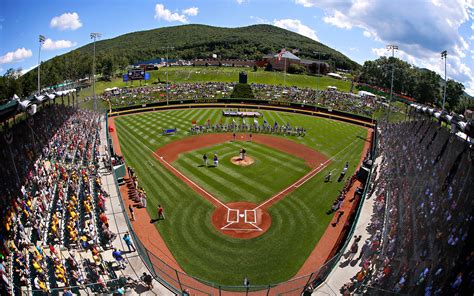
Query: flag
point(193, 122)
point(296, 50)
point(282, 51)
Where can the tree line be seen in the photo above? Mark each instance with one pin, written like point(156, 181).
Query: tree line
point(424, 85)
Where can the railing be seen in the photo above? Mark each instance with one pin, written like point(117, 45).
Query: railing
point(182, 283)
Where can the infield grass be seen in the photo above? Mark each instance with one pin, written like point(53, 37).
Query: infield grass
point(298, 220)
point(272, 171)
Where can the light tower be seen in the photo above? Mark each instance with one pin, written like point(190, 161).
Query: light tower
point(391, 47)
point(41, 42)
point(167, 65)
point(444, 55)
point(94, 36)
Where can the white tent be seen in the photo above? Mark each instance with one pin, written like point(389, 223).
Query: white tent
point(364, 93)
point(335, 75)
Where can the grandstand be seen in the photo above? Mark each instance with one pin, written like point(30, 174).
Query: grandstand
point(63, 217)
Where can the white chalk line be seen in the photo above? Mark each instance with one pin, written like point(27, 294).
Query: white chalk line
point(162, 160)
point(189, 180)
point(314, 172)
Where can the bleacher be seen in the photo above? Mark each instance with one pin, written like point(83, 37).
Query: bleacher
point(424, 194)
point(52, 237)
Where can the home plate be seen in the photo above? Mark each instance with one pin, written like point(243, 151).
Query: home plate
point(241, 215)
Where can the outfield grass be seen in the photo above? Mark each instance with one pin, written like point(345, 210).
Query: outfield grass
point(272, 171)
point(225, 74)
point(298, 221)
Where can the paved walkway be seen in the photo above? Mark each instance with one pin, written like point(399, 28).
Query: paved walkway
point(344, 271)
point(118, 225)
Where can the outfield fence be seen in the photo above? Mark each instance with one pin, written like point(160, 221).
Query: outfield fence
point(184, 284)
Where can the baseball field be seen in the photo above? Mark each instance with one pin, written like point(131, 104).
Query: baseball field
point(192, 194)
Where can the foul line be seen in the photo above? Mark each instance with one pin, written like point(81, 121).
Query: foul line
point(306, 177)
point(162, 160)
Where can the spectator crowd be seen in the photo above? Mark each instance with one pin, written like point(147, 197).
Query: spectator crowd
point(421, 236)
point(54, 228)
point(330, 99)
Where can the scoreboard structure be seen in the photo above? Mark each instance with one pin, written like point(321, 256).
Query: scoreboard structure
point(136, 74)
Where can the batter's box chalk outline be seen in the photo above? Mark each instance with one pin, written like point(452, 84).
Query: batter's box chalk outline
point(250, 213)
point(237, 216)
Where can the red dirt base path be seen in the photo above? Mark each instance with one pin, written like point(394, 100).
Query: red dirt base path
point(224, 218)
point(323, 251)
point(241, 229)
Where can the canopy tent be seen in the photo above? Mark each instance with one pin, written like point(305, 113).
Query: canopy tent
point(364, 93)
point(335, 75)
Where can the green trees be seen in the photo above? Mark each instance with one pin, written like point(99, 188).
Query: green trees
point(296, 69)
point(422, 84)
point(242, 90)
point(454, 92)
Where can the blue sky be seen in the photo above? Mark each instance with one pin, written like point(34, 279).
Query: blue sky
point(358, 28)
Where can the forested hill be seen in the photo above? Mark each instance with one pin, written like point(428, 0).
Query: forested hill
point(201, 41)
point(189, 42)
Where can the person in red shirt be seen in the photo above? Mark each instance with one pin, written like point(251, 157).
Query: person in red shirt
point(161, 215)
point(104, 219)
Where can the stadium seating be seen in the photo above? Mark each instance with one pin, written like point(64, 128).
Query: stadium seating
point(423, 193)
point(52, 236)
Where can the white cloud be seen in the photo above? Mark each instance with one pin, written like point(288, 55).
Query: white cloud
point(161, 13)
point(422, 29)
point(259, 20)
point(15, 56)
point(240, 1)
point(58, 44)
point(339, 20)
point(66, 21)
point(296, 26)
point(191, 11)
point(24, 71)
point(305, 3)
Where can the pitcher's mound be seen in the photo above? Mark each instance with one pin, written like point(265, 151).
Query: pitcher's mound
point(242, 162)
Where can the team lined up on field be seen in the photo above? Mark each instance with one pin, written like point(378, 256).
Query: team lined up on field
point(243, 126)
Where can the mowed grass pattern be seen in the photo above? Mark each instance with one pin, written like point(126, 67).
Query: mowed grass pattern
point(272, 171)
point(298, 221)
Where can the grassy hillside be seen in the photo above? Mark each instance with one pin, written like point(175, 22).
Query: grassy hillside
point(189, 42)
point(201, 41)
point(225, 74)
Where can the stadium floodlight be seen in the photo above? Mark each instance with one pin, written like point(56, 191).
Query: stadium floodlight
point(94, 36)
point(391, 47)
point(167, 65)
point(444, 55)
point(42, 39)
point(319, 67)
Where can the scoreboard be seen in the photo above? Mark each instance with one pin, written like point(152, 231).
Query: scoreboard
point(136, 74)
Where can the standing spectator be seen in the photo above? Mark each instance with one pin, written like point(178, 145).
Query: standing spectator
point(132, 212)
point(204, 157)
point(143, 200)
point(129, 243)
point(148, 280)
point(216, 160)
point(119, 258)
point(161, 214)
